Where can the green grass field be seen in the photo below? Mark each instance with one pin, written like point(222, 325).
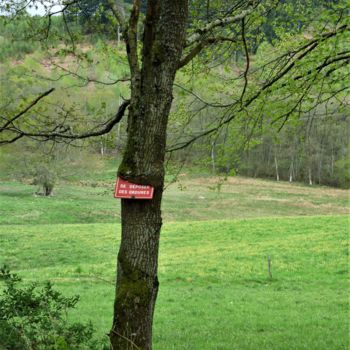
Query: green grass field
point(190, 199)
point(215, 289)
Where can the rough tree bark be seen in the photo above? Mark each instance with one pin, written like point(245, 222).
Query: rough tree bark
point(143, 163)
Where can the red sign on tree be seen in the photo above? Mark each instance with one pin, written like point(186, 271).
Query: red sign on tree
point(126, 189)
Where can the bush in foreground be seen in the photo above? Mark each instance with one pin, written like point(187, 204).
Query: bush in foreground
point(33, 318)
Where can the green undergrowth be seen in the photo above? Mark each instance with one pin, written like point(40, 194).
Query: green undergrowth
point(215, 289)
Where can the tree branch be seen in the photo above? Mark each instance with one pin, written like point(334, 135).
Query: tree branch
point(25, 110)
point(66, 133)
point(200, 46)
point(131, 39)
point(86, 80)
point(118, 13)
point(245, 74)
point(199, 34)
point(298, 55)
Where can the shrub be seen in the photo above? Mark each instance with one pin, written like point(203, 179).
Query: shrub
point(46, 178)
point(34, 318)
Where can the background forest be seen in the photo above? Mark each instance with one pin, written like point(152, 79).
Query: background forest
point(311, 148)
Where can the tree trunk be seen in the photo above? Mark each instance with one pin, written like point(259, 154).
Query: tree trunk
point(137, 282)
point(102, 149)
point(119, 36)
point(310, 175)
point(213, 157)
point(332, 162)
point(319, 172)
point(143, 163)
point(291, 170)
point(47, 190)
point(276, 168)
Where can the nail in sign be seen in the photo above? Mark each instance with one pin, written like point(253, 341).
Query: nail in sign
point(126, 189)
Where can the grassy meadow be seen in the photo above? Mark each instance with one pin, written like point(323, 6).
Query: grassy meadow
point(215, 292)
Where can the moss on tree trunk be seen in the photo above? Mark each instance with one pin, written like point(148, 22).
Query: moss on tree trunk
point(143, 163)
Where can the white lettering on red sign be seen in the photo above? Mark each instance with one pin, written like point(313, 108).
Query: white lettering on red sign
point(126, 189)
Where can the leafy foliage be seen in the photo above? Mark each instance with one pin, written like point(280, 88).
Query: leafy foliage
point(46, 178)
point(12, 45)
point(35, 318)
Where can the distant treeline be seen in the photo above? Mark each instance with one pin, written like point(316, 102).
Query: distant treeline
point(318, 153)
point(313, 148)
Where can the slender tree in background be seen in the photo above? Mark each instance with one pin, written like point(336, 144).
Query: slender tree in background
point(173, 35)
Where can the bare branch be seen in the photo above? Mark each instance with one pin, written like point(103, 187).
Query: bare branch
point(64, 132)
point(25, 110)
point(206, 103)
point(86, 80)
point(245, 74)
